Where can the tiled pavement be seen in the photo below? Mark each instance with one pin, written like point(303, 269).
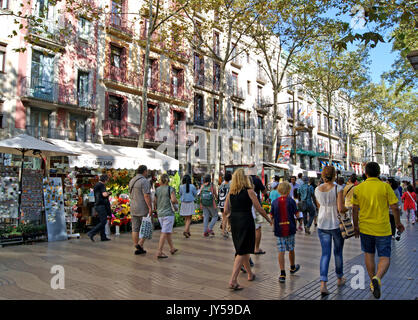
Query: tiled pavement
point(200, 270)
point(399, 283)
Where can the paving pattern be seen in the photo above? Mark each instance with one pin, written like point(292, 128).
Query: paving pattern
point(200, 270)
point(399, 283)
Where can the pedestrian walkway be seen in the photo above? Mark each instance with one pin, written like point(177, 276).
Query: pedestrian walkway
point(200, 270)
point(399, 283)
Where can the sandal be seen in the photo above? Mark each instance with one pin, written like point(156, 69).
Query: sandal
point(282, 279)
point(252, 278)
point(174, 251)
point(186, 234)
point(324, 293)
point(243, 269)
point(342, 282)
point(162, 256)
point(235, 287)
point(260, 252)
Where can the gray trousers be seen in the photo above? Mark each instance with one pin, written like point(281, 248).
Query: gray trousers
point(209, 212)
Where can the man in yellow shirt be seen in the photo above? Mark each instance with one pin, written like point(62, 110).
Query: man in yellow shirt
point(373, 198)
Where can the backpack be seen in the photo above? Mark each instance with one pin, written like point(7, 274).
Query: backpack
point(207, 196)
point(223, 192)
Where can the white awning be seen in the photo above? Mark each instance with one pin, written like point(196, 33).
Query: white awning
point(277, 165)
point(312, 174)
point(94, 155)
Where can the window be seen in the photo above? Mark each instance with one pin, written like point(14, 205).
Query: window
point(42, 76)
point(260, 123)
point(199, 69)
point(215, 113)
point(115, 108)
point(319, 121)
point(77, 128)
point(177, 117)
point(325, 123)
point(248, 120)
point(198, 109)
point(234, 84)
point(153, 73)
point(4, 4)
point(197, 34)
point(249, 87)
point(1, 115)
point(216, 76)
point(241, 121)
point(259, 95)
point(84, 28)
point(2, 57)
point(216, 43)
point(116, 16)
point(116, 56)
point(83, 88)
point(330, 125)
point(336, 125)
point(44, 9)
point(175, 82)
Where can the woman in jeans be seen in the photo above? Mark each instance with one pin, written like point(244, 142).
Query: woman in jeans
point(187, 196)
point(326, 196)
point(210, 211)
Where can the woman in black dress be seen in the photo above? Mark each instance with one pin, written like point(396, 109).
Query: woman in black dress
point(238, 205)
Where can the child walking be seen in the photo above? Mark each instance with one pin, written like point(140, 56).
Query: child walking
point(284, 210)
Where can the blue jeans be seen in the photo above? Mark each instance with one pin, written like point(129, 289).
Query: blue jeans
point(209, 212)
point(326, 237)
point(311, 210)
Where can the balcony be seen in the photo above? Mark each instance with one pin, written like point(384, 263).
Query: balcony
point(119, 27)
point(206, 83)
point(57, 133)
point(237, 94)
point(46, 32)
point(262, 104)
point(120, 129)
point(54, 92)
point(237, 62)
point(261, 77)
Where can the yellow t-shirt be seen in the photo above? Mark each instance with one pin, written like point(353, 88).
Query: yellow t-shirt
point(374, 198)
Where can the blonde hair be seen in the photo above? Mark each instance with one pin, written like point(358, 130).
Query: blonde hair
point(164, 178)
point(239, 181)
point(284, 188)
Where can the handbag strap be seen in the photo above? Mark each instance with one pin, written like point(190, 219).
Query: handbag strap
point(133, 185)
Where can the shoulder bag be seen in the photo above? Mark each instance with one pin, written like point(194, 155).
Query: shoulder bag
point(413, 201)
point(302, 204)
point(346, 225)
point(174, 207)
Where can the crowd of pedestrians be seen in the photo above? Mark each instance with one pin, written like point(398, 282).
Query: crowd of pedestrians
point(374, 204)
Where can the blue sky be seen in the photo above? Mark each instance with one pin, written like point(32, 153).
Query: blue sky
point(381, 57)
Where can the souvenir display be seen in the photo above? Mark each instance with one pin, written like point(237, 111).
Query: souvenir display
point(54, 209)
point(70, 202)
point(9, 193)
point(32, 204)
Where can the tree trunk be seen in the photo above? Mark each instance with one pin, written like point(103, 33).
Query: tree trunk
point(348, 137)
point(144, 107)
point(220, 121)
point(398, 145)
point(275, 129)
point(329, 132)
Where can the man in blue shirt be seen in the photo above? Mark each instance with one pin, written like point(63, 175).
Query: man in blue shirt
point(306, 196)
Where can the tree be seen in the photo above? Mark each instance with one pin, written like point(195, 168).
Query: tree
point(286, 29)
point(158, 15)
point(234, 18)
point(397, 111)
point(329, 70)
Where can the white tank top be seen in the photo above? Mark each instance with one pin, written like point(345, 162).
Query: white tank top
point(328, 210)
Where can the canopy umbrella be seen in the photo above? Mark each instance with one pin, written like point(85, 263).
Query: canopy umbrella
point(30, 146)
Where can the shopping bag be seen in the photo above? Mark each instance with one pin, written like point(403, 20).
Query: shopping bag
point(145, 231)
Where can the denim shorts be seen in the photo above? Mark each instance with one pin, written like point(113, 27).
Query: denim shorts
point(383, 244)
point(286, 243)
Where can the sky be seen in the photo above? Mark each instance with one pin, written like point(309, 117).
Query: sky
point(381, 58)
